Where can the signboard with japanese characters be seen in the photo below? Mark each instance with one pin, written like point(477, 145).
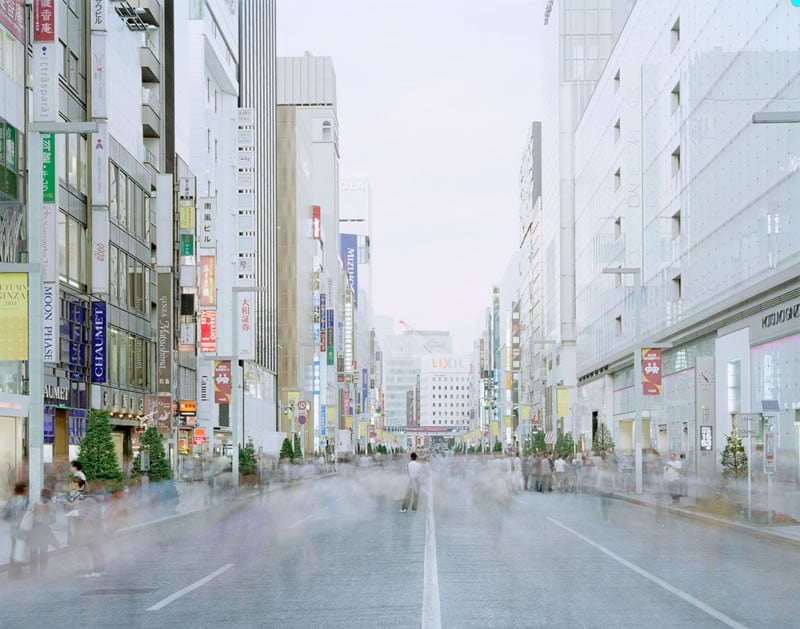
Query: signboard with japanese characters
point(651, 371)
point(206, 222)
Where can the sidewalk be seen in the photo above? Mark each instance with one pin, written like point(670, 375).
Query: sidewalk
point(785, 500)
point(192, 497)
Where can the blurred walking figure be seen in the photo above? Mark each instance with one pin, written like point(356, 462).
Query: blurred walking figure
point(41, 536)
point(87, 514)
point(414, 483)
point(672, 476)
point(15, 509)
point(605, 483)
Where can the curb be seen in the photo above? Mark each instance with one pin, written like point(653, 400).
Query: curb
point(771, 535)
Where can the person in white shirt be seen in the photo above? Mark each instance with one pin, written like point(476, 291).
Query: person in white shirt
point(414, 484)
point(672, 476)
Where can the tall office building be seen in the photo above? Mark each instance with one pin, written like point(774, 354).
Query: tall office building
point(310, 274)
point(257, 251)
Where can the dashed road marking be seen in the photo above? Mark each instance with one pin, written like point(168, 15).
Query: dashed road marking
point(173, 597)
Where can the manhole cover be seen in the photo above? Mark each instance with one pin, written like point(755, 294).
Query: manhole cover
point(114, 591)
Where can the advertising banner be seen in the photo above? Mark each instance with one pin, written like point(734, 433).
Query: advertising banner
point(187, 245)
point(164, 333)
point(222, 382)
point(208, 331)
point(316, 222)
point(99, 368)
point(49, 211)
point(99, 103)
point(562, 401)
point(246, 334)
point(158, 412)
point(50, 322)
point(349, 251)
point(14, 315)
point(651, 371)
point(208, 283)
point(99, 250)
point(12, 16)
point(45, 61)
point(186, 213)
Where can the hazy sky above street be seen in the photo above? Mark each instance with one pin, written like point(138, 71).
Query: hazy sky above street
point(434, 101)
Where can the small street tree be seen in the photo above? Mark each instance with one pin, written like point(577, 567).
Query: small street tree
point(248, 460)
point(539, 444)
point(734, 458)
point(286, 449)
point(498, 446)
point(152, 443)
point(603, 440)
point(297, 450)
point(565, 444)
point(98, 457)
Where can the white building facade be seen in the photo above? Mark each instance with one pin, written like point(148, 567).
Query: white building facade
point(675, 181)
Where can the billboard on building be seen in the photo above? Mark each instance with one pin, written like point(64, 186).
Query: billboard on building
point(164, 333)
point(14, 315)
point(651, 371)
point(98, 342)
point(208, 331)
point(348, 249)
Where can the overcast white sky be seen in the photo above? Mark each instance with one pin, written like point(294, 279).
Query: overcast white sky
point(434, 101)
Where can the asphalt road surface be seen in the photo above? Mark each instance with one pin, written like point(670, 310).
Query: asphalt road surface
point(338, 552)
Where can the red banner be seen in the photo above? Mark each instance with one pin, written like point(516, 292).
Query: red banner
point(651, 371)
point(12, 16)
point(208, 281)
point(208, 331)
point(316, 222)
point(44, 20)
point(222, 382)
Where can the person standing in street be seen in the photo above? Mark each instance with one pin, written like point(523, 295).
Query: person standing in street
point(672, 477)
point(15, 509)
point(414, 484)
point(41, 536)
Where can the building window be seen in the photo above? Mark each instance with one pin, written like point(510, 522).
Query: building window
point(676, 161)
point(676, 288)
point(618, 324)
point(676, 225)
point(618, 179)
point(616, 81)
point(675, 97)
point(617, 130)
point(675, 34)
point(618, 234)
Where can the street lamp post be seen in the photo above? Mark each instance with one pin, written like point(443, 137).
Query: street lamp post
point(35, 131)
point(637, 368)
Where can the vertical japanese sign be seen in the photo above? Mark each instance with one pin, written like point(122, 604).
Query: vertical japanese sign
point(12, 16)
point(316, 222)
point(14, 315)
point(50, 292)
point(208, 331)
point(100, 228)
point(246, 340)
point(222, 382)
point(45, 61)
point(98, 333)
point(208, 285)
point(164, 333)
point(706, 438)
point(206, 223)
point(562, 401)
point(98, 42)
point(330, 336)
point(651, 371)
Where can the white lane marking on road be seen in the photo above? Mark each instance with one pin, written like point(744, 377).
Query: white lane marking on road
point(189, 588)
point(670, 588)
point(431, 609)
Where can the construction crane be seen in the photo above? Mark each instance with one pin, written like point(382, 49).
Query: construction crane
point(412, 330)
